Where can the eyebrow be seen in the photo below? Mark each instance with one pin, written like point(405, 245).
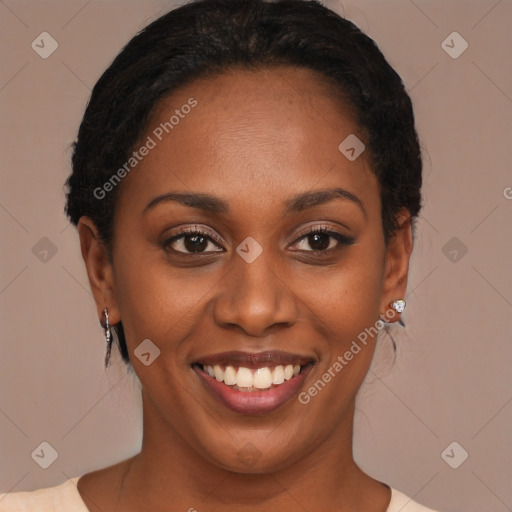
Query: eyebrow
point(211, 204)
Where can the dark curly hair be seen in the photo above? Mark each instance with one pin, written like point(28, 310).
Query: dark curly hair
point(206, 37)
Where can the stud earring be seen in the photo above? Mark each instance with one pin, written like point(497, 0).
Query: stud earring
point(398, 305)
point(108, 337)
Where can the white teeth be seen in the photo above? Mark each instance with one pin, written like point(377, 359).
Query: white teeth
point(278, 375)
point(260, 378)
point(230, 376)
point(244, 378)
point(219, 374)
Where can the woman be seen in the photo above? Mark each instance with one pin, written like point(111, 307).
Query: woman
point(245, 182)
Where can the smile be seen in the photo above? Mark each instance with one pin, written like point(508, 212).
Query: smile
point(253, 384)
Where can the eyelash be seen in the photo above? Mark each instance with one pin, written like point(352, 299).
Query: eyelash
point(343, 240)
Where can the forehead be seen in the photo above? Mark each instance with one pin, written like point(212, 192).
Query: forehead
point(274, 131)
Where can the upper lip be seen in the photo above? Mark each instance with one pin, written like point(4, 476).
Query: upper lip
point(255, 359)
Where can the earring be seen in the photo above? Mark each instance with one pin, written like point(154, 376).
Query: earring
point(398, 305)
point(108, 337)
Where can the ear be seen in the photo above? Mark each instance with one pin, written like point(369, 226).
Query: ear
point(398, 254)
point(99, 269)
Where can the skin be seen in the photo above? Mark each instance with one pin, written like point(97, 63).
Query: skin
point(255, 140)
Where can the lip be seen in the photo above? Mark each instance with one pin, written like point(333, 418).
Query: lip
point(254, 360)
point(255, 403)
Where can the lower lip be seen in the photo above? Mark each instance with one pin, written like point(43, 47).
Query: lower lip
point(254, 402)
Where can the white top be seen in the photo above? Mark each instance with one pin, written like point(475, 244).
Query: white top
point(66, 498)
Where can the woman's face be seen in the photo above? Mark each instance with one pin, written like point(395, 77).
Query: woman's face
point(255, 168)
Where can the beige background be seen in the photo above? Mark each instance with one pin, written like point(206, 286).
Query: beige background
point(451, 381)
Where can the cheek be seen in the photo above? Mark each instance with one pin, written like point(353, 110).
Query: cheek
point(346, 302)
point(347, 297)
point(155, 300)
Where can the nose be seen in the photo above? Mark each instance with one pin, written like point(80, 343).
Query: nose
point(254, 298)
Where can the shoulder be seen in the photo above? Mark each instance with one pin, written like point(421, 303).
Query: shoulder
point(402, 503)
point(61, 497)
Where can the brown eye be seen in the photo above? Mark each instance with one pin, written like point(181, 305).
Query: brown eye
point(319, 241)
point(322, 240)
point(192, 241)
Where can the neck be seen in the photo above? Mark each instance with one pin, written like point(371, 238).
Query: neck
point(168, 473)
